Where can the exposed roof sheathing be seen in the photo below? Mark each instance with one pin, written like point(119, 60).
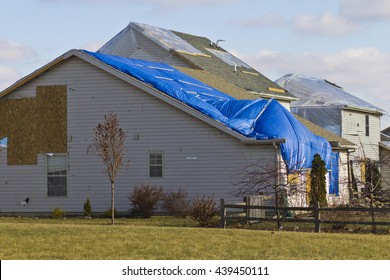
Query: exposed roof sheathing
point(249, 79)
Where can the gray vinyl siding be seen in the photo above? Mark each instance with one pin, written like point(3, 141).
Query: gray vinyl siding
point(150, 125)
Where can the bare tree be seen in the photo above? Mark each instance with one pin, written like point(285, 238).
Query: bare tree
point(109, 145)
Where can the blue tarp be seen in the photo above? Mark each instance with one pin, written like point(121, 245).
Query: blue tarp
point(334, 174)
point(259, 119)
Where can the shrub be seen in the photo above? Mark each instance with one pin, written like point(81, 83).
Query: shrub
point(177, 203)
point(58, 213)
point(144, 199)
point(108, 213)
point(318, 182)
point(205, 211)
point(87, 208)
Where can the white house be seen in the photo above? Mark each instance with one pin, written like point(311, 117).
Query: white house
point(343, 114)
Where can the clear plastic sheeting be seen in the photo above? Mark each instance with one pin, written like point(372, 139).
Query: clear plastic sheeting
point(122, 44)
point(228, 58)
point(328, 118)
point(125, 42)
point(317, 92)
point(259, 119)
point(321, 101)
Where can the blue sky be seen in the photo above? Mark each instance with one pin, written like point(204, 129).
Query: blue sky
point(344, 41)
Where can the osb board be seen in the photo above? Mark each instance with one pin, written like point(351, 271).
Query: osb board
point(219, 83)
point(34, 125)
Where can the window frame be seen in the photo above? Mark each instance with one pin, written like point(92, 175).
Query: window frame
point(150, 164)
point(47, 176)
point(367, 126)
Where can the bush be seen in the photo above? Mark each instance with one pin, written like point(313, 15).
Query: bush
point(87, 208)
point(108, 213)
point(205, 211)
point(58, 213)
point(144, 200)
point(177, 203)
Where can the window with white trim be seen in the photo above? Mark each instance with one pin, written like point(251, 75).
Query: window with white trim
point(57, 175)
point(155, 164)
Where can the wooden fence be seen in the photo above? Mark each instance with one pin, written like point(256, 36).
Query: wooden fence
point(315, 218)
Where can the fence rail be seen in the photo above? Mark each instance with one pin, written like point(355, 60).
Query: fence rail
point(315, 219)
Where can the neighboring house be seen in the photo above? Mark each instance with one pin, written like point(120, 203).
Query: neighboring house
point(191, 142)
point(195, 55)
point(330, 107)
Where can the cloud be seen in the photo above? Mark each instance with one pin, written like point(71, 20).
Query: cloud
point(361, 71)
point(12, 51)
point(267, 20)
point(324, 24)
point(92, 46)
point(373, 10)
point(8, 76)
point(351, 16)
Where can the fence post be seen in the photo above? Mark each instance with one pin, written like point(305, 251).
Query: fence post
point(317, 216)
point(223, 213)
point(247, 211)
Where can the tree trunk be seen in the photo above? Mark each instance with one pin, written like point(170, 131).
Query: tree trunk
point(279, 224)
point(112, 203)
point(373, 230)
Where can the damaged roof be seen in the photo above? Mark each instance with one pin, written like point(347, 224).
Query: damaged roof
point(200, 53)
point(241, 75)
point(317, 92)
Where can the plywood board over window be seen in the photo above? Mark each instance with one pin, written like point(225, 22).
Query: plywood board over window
point(34, 125)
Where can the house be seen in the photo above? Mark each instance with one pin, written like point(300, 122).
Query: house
point(329, 106)
point(196, 143)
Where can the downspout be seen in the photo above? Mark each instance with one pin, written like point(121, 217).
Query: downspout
point(278, 164)
point(277, 183)
point(349, 177)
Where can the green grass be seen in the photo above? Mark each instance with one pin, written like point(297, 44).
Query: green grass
point(171, 238)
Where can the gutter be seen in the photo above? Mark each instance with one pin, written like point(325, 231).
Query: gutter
point(253, 141)
point(364, 110)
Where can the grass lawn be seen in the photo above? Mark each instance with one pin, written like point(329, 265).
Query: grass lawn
point(165, 238)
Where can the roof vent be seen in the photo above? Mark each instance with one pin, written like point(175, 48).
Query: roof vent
point(219, 40)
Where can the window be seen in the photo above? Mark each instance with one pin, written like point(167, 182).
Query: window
point(57, 170)
point(156, 164)
point(367, 126)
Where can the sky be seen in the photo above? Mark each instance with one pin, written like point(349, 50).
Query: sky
point(344, 41)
